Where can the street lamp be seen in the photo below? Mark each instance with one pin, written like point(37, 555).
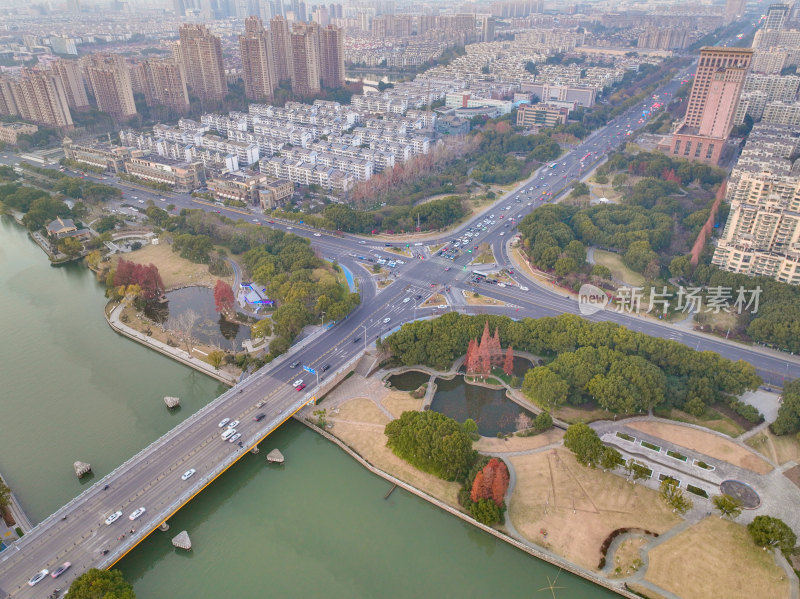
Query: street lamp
point(323, 321)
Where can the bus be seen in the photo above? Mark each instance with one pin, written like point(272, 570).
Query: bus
point(554, 165)
point(586, 157)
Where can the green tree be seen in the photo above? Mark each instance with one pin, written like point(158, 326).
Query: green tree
point(583, 441)
point(636, 470)
point(485, 511)
point(70, 246)
point(674, 497)
point(610, 458)
point(215, 358)
point(5, 494)
point(680, 266)
point(101, 584)
point(788, 420)
point(545, 388)
point(767, 531)
point(432, 442)
point(543, 421)
point(470, 427)
point(639, 255)
point(263, 328)
point(727, 505)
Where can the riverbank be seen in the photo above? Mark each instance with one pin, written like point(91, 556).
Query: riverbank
point(113, 320)
point(528, 548)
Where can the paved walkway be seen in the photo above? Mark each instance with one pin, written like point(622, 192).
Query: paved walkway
point(173, 352)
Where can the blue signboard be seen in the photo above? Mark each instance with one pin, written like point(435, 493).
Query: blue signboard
point(308, 369)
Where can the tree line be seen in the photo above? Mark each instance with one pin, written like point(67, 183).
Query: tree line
point(602, 363)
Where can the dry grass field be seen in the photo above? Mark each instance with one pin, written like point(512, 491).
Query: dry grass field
point(706, 443)
point(780, 450)
point(627, 558)
point(363, 431)
point(481, 300)
point(579, 507)
point(495, 445)
point(621, 272)
point(398, 402)
point(716, 558)
point(175, 271)
point(436, 299)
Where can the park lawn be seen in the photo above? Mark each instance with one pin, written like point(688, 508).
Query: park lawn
point(621, 272)
point(398, 402)
point(716, 558)
point(712, 419)
point(779, 449)
point(605, 190)
point(578, 507)
point(384, 283)
point(367, 439)
point(481, 300)
point(175, 271)
point(492, 445)
point(706, 443)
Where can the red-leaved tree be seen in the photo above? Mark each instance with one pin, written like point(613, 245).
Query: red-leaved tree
point(223, 296)
point(146, 277)
point(508, 363)
point(472, 352)
point(495, 349)
point(491, 482)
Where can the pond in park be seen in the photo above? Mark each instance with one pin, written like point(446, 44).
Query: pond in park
point(491, 410)
point(410, 380)
point(210, 327)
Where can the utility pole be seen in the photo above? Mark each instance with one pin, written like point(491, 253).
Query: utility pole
point(365, 336)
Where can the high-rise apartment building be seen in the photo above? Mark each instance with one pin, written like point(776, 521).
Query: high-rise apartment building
point(36, 96)
point(712, 104)
point(201, 59)
point(165, 85)
point(305, 59)
point(111, 85)
point(776, 16)
point(258, 64)
point(71, 76)
point(179, 8)
point(762, 234)
point(331, 52)
point(281, 48)
point(487, 28)
point(74, 6)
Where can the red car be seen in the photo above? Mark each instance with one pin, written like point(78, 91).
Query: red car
point(301, 386)
point(272, 222)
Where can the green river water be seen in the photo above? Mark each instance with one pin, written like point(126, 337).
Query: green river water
point(73, 389)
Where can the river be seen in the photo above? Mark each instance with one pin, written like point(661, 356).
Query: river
point(73, 389)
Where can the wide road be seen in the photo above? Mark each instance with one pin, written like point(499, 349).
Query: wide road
point(152, 479)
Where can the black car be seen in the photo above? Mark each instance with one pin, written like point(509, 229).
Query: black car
point(326, 367)
point(356, 339)
point(417, 297)
point(294, 364)
point(260, 417)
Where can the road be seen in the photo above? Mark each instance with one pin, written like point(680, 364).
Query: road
point(152, 479)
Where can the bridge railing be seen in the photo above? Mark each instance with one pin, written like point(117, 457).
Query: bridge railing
point(189, 421)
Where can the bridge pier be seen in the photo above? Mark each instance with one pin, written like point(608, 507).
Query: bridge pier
point(164, 527)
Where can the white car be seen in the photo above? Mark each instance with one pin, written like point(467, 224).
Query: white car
point(442, 306)
point(223, 422)
point(113, 517)
point(255, 220)
point(417, 244)
point(317, 235)
point(362, 242)
point(136, 513)
point(289, 228)
point(188, 474)
point(386, 320)
point(501, 284)
point(162, 199)
point(406, 300)
point(235, 438)
point(502, 233)
point(522, 288)
point(297, 383)
point(233, 424)
point(38, 577)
